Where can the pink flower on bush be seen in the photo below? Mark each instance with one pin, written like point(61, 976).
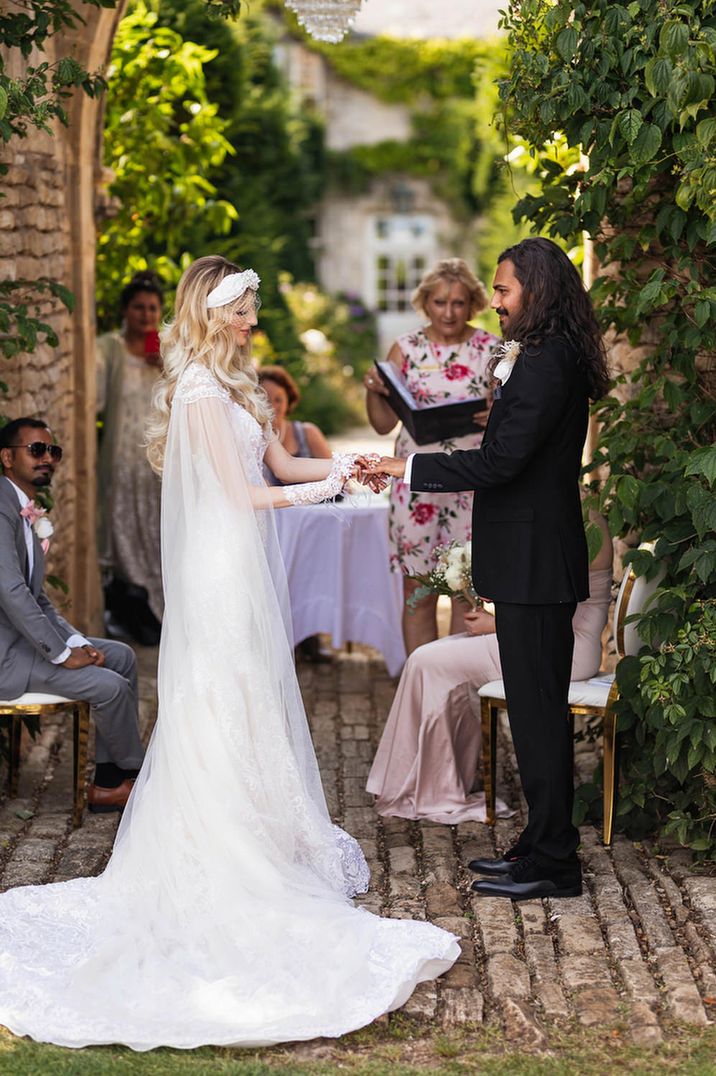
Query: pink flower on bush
point(456, 371)
point(423, 513)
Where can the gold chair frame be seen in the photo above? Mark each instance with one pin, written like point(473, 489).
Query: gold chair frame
point(489, 708)
point(80, 715)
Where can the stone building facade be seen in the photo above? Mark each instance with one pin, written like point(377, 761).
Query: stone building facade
point(378, 243)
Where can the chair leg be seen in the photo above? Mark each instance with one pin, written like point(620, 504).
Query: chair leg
point(80, 737)
point(611, 768)
point(13, 765)
point(488, 718)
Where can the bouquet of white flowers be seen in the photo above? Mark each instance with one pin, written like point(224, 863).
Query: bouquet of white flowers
point(452, 575)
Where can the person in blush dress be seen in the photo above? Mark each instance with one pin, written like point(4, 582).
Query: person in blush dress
point(445, 360)
point(427, 759)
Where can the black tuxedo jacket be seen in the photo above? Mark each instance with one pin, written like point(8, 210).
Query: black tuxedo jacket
point(528, 541)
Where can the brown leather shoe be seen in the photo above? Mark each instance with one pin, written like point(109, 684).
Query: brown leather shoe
point(104, 800)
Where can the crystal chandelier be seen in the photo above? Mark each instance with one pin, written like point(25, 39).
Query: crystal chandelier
point(326, 20)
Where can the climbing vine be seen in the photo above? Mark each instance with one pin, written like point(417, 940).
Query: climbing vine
point(630, 86)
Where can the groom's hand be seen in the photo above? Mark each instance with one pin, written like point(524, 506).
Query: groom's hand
point(389, 466)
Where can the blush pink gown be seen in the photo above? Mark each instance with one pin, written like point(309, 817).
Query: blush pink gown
point(428, 754)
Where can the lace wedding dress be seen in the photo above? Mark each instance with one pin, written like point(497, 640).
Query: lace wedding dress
point(224, 914)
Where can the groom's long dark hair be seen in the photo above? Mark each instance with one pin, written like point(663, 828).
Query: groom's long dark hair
point(555, 303)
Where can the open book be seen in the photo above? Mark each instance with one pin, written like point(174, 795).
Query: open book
point(428, 423)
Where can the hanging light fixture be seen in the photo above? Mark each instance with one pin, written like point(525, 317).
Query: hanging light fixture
point(326, 20)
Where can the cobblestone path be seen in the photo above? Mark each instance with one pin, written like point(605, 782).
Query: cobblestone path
point(637, 949)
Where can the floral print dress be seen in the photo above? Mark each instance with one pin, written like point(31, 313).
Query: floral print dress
point(435, 373)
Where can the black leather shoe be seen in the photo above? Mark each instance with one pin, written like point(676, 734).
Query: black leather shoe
point(528, 881)
point(498, 867)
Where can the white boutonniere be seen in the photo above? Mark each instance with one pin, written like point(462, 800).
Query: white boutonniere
point(43, 528)
point(509, 353)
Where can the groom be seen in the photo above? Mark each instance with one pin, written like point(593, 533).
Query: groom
point(528, 541)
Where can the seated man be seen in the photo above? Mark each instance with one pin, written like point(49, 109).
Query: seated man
point(39, 650)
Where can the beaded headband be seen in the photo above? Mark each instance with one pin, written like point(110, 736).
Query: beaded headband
point(231, 287)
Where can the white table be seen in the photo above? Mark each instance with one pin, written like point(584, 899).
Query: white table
point(339, 580)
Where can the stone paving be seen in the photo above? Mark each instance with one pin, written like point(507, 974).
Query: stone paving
point(637, 950)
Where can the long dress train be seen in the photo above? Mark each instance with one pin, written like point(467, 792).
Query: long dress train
point(223, 916)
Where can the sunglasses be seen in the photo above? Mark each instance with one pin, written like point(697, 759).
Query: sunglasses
point(39, 449)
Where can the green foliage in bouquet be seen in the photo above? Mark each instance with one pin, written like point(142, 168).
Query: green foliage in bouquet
point(630, 87)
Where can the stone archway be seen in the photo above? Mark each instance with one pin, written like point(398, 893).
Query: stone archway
point(48, 219)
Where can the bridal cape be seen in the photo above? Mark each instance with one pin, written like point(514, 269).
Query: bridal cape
point(224, 915)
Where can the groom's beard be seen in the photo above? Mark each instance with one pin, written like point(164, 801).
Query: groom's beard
point(504, 325)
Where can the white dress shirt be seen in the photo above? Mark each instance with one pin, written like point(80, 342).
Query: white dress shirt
point(408, 469)
point(74, 640)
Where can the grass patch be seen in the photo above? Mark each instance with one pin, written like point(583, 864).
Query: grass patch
point(481, 1052)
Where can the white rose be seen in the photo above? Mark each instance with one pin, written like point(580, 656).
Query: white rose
point(43, 528)
point(454, 578)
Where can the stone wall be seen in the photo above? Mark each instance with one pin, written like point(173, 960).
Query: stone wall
point(47, 229)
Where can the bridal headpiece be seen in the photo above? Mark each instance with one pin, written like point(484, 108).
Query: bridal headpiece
point(232, 287)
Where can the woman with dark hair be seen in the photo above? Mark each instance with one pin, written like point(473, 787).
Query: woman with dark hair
point(128, 365)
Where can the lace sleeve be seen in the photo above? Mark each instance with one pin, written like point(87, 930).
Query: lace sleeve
point(198, 383)
point(315, 492)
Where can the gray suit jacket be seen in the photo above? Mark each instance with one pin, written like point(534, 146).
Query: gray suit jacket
point(29, 623)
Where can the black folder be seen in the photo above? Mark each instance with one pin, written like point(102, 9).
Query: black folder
point(429, 423)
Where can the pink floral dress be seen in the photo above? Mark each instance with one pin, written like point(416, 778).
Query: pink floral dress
point(435, 373)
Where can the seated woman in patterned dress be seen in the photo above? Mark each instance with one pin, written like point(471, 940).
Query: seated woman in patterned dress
point(445, 360)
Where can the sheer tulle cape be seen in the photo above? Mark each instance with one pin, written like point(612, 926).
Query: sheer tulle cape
point(223, 916)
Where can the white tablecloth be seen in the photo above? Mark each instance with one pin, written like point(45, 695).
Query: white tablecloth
point(337, 563)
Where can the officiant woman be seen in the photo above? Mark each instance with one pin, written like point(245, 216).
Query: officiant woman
point(444, 360)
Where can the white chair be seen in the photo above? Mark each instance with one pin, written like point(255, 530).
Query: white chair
point(595, 696)
point(34, 704)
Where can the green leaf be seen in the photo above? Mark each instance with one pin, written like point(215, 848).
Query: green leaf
point(674, 37)
point(657, 75)
point(566, 43)
point(702, 505)
point(647, 143)
point(706, 131)
point(3, 101)
point(703, 462)
point(702, 312)
point(630, 123)
point(628, 491)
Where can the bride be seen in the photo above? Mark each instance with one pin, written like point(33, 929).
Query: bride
point(224, 915)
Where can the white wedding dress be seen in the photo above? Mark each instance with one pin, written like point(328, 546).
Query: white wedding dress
point(224, 915)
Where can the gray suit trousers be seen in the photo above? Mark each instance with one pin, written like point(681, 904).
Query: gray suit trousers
point(112, 694)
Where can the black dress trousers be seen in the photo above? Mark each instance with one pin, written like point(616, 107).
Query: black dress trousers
point(536, 644)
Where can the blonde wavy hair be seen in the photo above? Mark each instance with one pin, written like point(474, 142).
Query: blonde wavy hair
point(451, 271)
point(198, 334)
